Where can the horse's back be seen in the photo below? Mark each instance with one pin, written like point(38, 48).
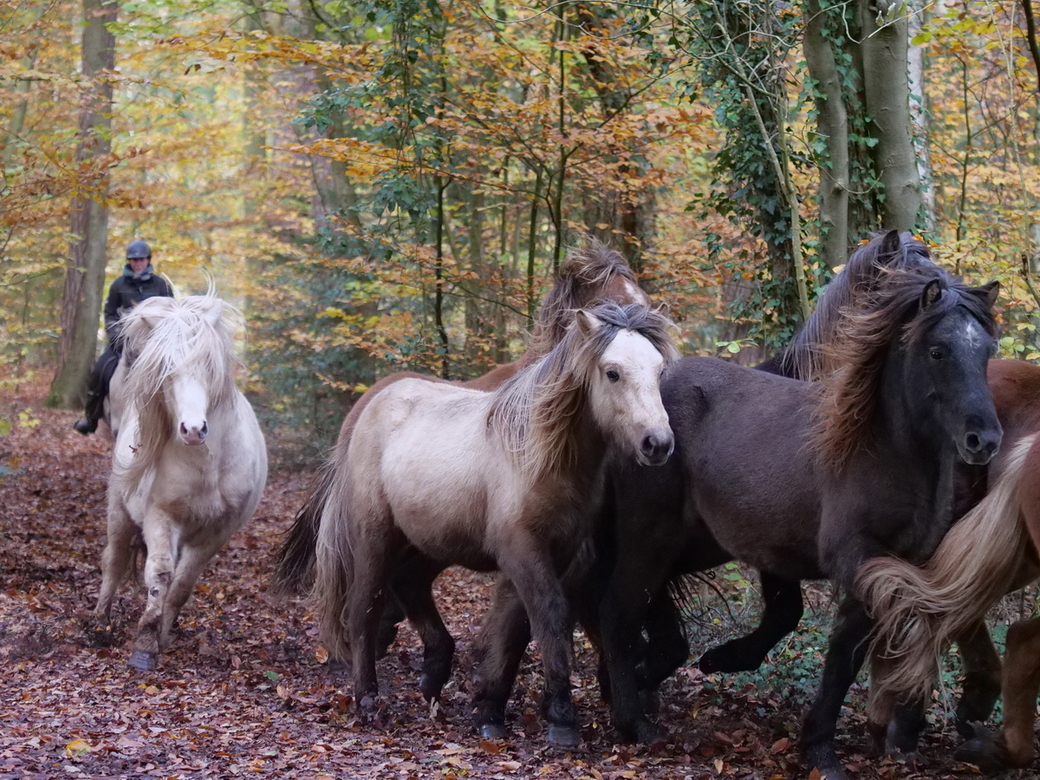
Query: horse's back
point(747, 463)
point(420, 451)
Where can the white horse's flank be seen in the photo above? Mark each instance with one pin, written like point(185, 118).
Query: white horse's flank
point(189, 462)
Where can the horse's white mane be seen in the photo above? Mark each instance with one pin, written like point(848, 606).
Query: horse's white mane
point(162, 336)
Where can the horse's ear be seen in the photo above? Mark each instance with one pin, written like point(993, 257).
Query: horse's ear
point(587, 323)
point(932, 293)
point(891, 248)
point(989, 293)
point(214, 312)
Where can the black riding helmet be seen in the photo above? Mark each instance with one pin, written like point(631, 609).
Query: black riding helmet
point(138, 249)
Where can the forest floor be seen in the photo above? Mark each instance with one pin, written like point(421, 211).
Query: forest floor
point(241, 691)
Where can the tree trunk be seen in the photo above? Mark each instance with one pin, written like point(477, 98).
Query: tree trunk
point(85, 272)
point(833, 128)
point(633, 213)
point(919, 112)
point(887, 92)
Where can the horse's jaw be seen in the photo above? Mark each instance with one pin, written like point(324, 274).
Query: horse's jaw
point(190, 411)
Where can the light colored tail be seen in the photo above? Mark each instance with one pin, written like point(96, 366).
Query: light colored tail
point(334, 570)
point(917, 608)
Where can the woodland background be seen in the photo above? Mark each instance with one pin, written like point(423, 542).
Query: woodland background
point(387, 185)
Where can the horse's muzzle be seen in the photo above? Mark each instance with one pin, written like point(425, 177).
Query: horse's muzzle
point(656, 449)
point(196, 434)
point(978, 447)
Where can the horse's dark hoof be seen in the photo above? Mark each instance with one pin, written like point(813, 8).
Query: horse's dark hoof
point(100, 635)
point(651, 701)
point(143, 661)
point(650, 734)
point(367, 704)
point(985, 750)
point(727, 660)
point(564, 736)
point(430, 688)
point(493, 731)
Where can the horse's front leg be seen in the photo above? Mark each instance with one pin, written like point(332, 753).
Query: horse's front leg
point(981, 685)
point(190, 563)
point(782, 612)
point(116, 561)
point(158, 575)
point(543, 596)
point(636, 582)
point(1014, 746)
point(504, 637)
point(845, 655)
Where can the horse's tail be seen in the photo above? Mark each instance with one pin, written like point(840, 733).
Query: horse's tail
point(917, 608)
point(294, 562)
point(334, 570)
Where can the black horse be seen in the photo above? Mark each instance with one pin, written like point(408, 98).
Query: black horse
point(808, 480)
point(805, 358)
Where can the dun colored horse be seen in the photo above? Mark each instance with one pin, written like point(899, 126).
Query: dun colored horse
point(510, 480)
point(808, 480)
point(590, 274)
point(188, 464)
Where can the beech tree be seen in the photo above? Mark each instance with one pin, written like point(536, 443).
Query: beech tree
point(85, 273)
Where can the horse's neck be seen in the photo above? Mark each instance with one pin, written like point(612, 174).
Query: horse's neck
point(917, 457)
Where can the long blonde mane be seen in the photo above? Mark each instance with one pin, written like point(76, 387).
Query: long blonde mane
point(161, 337)
point(535, 414)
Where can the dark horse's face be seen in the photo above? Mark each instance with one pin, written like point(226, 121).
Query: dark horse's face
point(946, 369)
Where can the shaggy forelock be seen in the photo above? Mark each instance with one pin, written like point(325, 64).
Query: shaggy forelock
point(534, 411)
point(163, 337)
point(582, 279)
point(876, 319)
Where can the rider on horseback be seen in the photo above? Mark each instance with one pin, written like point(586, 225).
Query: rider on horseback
point(137, 283)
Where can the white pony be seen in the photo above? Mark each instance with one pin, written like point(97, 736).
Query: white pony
point(188, 464)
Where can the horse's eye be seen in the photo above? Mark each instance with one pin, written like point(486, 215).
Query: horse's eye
point(935, 353)
point(613, 375)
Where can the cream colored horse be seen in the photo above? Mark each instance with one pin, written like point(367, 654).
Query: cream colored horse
point(509, 480)
point(189, 462)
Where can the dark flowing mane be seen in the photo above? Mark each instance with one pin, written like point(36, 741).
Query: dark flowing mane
point(536, 411)
point(806, 356)
point(887, 315)
point(584, 275)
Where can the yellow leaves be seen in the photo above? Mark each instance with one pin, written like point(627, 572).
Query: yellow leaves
point(77, 747)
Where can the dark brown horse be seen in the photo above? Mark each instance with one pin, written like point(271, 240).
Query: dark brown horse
point(809, 480)
point(990, 552)
point(806, 358)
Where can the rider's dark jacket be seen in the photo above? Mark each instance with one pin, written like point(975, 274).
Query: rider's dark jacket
point(129, 290)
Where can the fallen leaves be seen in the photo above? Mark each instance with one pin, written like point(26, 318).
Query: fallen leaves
point(246, 690)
